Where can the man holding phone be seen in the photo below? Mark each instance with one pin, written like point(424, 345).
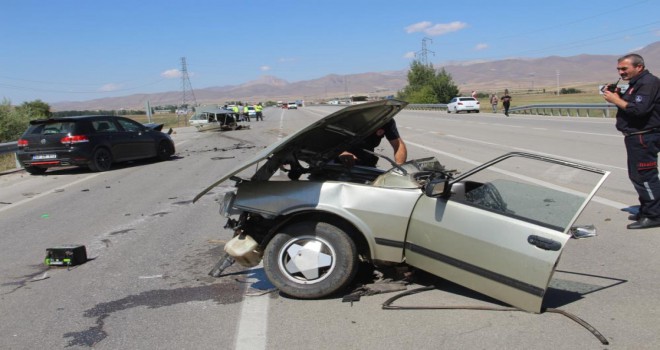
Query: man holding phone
point(638, 118)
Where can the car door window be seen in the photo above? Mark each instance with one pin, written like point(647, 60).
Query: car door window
point(129, 125)
point(104, 125)
point(544, 193)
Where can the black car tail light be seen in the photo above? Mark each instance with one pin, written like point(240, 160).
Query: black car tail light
point(22, 143)
point(73, 139)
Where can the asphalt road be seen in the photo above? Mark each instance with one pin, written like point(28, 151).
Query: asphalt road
point(146, 285)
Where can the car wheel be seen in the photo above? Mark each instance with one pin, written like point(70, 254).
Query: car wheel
point(35, 170)
point(310, 259)
point(101, 160)
point(165, 150)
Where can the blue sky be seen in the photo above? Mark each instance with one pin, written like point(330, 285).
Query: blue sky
point(75, 50)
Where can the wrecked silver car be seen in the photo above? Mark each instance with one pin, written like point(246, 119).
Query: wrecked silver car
point(498, 229)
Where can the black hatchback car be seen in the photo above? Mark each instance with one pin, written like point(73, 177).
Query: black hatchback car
point(90, 141)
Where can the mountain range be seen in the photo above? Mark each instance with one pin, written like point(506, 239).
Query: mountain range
point(515, 74)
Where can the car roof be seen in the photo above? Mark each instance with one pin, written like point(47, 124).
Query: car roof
point(321, 141)
point(215, 110)
point(69, 118)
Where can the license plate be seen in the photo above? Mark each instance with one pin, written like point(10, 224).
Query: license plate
point(43, 156)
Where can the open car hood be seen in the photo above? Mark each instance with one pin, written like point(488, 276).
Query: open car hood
point(321, 141)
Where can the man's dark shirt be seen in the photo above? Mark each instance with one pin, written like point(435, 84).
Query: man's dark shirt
point(388, 131)
point(643, 110)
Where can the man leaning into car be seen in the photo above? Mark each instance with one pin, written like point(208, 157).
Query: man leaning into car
point(638, 118)
point(357, 156)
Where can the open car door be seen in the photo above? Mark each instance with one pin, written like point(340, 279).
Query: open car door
point(500, 228)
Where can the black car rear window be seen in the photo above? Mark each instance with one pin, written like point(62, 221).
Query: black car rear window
point(52, 128)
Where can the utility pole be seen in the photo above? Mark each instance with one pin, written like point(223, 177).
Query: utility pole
point(186, 87)
point(423, 54)
point(557, 82)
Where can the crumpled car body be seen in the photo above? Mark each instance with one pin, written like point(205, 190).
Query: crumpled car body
point(498, 229)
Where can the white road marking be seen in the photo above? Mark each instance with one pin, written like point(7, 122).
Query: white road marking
point(253, 321)
point(592, 133)
point(280, 135)
point(541, 153)
point(58, 189)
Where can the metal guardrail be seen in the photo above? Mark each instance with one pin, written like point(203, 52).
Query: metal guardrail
point(427, 107)
point(9, 147)
point(605, 110)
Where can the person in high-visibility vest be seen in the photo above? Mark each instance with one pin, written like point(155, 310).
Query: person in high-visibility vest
point(258, 108)
point(234, 109)
point(246, 112)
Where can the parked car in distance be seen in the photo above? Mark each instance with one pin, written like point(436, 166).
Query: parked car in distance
point(90, 141)
point(292, 105)
point(463, 104)
point(498, 229)
point(252, 113)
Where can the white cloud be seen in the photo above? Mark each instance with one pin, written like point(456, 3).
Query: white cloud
point(410, 54)
point(481, 46)
point(264, 68)
point(431, 29)
point(444, 28)
point(418, 27)
point(171, 73)
point(110, 87)
point(286, 59)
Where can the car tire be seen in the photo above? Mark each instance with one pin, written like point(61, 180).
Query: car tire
point(35, 170)
point(310, 259)
point(101, 160)
point(165, 150)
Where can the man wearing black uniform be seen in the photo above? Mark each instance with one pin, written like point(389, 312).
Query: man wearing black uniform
point(357, 155)
point(638, 118)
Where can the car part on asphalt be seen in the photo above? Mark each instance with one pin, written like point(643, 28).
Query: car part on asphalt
point(387, 305)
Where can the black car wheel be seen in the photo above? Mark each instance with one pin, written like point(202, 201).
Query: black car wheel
point(310, 259)
point(101, 160)
point(165, 150)
point(35, 170)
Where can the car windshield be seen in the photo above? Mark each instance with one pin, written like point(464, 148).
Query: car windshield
point(467, 99)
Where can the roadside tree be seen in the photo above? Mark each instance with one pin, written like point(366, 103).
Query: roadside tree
point(426, 85)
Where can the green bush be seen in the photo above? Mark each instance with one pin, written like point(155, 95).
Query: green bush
point(15, 120)
point(566, 91)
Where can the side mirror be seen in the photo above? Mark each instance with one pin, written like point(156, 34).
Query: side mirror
point(436, 187)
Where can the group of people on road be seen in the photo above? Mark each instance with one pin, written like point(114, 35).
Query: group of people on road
point(244, 111)
point(506, 102)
